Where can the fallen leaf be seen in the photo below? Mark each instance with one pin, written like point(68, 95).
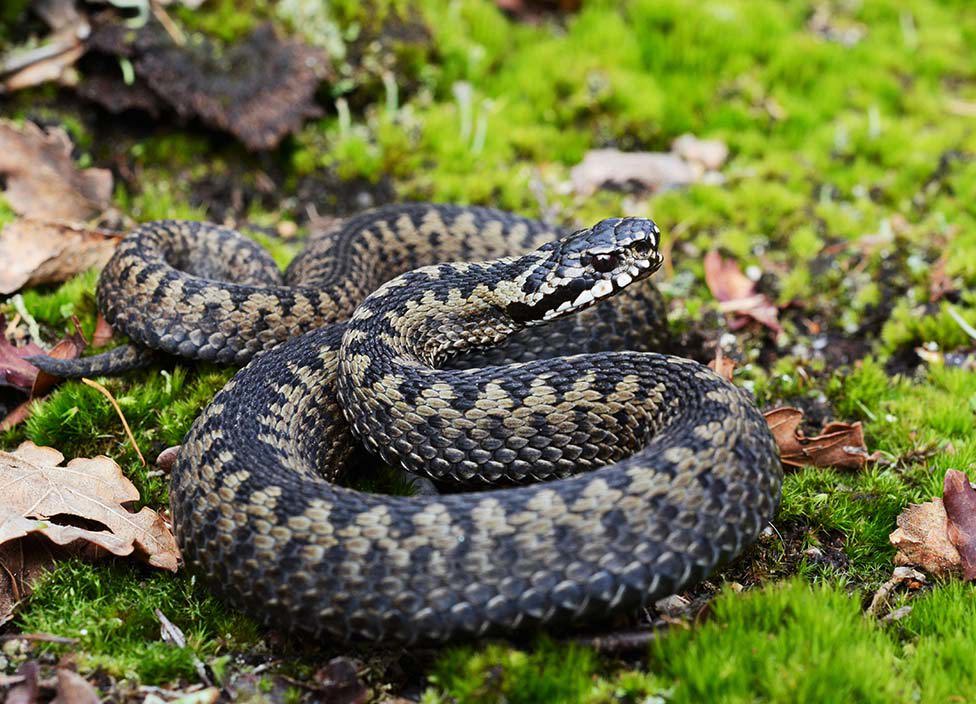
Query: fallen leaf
point(54, 58)
point(103, 332)
point(339, 682)
point(36, 252)
point(74, 689)
point(648, 170)
point(42, 180)
point(722, 365)
point(689, 161)
point(17, 372)
point(25, 691)
point(839, 445)
point(922, 539)
point(959, 500)
point(260, 89)
point(736, 293)
point(94, 490)
point(166, 459)
point(710, 154)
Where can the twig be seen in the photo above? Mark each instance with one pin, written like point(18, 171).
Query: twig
point(966, 327)
point(115, 404)
point(172, 29)
point(39, 637)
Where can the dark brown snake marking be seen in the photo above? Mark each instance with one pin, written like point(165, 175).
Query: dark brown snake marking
point(686, 473)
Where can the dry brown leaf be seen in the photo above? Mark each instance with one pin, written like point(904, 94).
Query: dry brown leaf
point(339, 682)
point(42, 180)
point(36, 252)
point(17, 372)
point(922, 539)
point(959, 500)
point(736, 293)
point(74, 689)
point(710, 154)
point(103, 333)
point(648, 170)
point(27, 689)
point(38, 489)
point(840, 445)
point(722, 365)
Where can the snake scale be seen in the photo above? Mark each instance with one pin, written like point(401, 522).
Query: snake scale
point(495, 371)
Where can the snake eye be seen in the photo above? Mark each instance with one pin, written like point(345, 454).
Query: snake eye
point(602, 262)
point(642, 247)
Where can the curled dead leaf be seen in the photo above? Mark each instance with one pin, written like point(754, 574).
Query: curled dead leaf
point(959, 500)
point(922, 539)
point(42, 180)
point(36, 252)
point(736, 293)
point(95, 490)
point(75, 689)
point(840, 445)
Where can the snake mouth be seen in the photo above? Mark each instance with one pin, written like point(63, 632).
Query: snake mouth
point(571, 299)
point(576, 292)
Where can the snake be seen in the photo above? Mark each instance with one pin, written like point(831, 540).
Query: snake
point(583, 474)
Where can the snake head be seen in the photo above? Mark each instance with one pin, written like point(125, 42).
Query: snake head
point(573, 273)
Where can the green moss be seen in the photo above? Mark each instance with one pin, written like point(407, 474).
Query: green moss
point(227, 20)
point(787, 642)
point(850, 175)
point(497, 673)
point(74, 298)
point(158, 405)
point(110, 610)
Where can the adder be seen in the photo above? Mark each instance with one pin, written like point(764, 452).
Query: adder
point(595, 481)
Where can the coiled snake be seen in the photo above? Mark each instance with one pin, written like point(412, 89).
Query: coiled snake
point(446, 372)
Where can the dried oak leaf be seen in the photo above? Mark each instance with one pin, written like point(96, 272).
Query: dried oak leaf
point(42, 180)
point(840, 445)
point(736, 293)
point(74, 689)
point(959, 500)
point(38, 252)
point(37, 489)
point(922, 539)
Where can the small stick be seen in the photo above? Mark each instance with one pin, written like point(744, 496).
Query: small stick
point(41, 637)
point(115, 404)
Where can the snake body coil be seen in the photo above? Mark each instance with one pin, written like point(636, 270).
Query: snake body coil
point(686, 470)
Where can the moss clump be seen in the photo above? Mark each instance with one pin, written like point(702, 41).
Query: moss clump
point(111, 611)
point(788, 642)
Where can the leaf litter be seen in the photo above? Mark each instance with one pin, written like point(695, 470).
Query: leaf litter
point(80, 508)
point(939, 536)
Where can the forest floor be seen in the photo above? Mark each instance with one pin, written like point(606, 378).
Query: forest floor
point(847, 197)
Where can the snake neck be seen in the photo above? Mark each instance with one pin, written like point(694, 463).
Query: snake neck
point(436, 313)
